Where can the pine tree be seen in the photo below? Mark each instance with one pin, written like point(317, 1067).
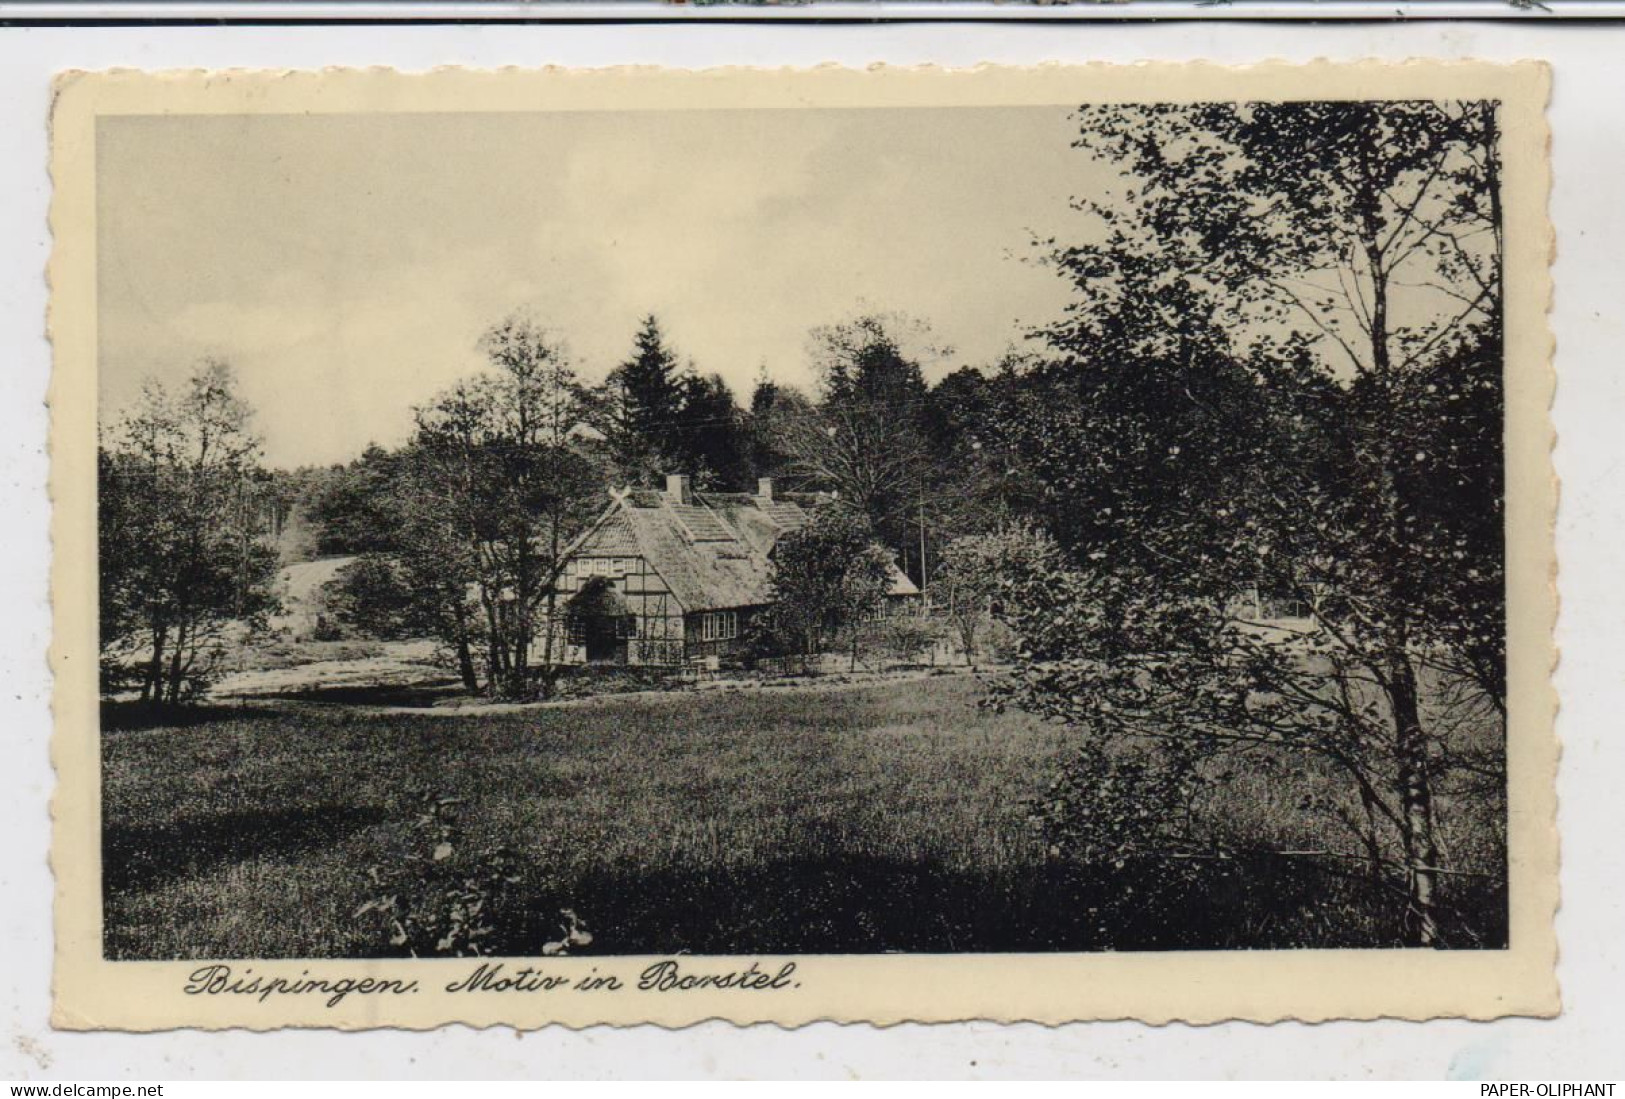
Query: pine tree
point(642, 405)
point(712, 443)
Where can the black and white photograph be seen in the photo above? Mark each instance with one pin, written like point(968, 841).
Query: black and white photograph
point(554, 536)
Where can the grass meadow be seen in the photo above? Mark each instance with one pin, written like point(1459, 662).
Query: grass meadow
point(859, 819)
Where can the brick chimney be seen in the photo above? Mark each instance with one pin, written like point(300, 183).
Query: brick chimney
point(764, 489)
point(679, 489)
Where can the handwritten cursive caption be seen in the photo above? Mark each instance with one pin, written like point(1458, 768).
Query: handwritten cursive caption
point(667, 975)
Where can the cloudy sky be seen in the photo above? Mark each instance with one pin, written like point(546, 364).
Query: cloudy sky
point(347, 264)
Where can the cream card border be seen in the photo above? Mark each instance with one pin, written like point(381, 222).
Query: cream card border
point(92, 993)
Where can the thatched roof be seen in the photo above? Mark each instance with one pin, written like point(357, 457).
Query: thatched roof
point(711, 549)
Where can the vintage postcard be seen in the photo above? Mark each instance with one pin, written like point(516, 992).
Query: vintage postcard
point(640, 546)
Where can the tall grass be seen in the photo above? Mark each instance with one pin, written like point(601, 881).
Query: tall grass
point(865, 819)
point(683, 822)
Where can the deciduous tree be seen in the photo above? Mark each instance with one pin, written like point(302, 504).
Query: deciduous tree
point(185, 555)
point(864, 438)
point(968, 578)
point(496, 495)
point(1281, 377)
point(825, 576)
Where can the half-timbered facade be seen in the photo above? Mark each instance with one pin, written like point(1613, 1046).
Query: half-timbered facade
point(672, 576)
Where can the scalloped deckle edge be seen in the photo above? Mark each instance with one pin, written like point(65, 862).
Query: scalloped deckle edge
point(1192, 987)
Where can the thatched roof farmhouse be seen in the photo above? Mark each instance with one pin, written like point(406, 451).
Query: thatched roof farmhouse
point(671, 576)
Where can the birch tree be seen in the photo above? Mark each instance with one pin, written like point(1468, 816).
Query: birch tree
point(1282, 376)
point(184, 549)
point(498, 493)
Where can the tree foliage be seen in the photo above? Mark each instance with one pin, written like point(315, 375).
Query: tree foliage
point(350, 505)
point(770, 405)
point(640, 406)
point(492, 495)
point(661, 417)
point(864, 439)
point(713, 441)
point(825, 576)
point(1278, 385)
point(972, 572)
point(182, 536)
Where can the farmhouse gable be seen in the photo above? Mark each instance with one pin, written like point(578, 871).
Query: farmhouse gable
point(668, 576)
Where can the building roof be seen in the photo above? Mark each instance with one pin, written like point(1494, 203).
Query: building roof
point(712, 550)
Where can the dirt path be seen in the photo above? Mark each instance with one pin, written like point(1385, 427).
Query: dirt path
point(400, 664)
point(342, 681)
point(789, 685)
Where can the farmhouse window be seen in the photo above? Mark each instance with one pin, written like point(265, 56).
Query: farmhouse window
point(719, 625)
point(626, 627)
point(1274, 605)
point(1278, 602)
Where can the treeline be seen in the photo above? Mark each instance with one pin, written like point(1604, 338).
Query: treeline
point(461, 533)
point(919, 461)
